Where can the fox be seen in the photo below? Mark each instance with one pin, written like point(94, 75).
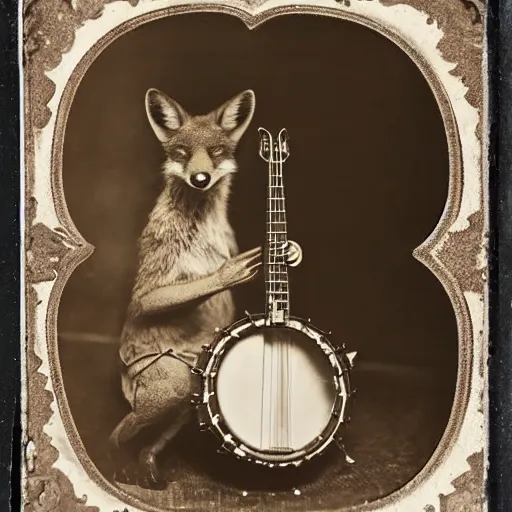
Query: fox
point(188, 262)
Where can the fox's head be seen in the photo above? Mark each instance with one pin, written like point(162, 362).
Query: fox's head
point(199, 149)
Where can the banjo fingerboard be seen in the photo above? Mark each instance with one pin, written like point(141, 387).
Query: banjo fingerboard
point(277, 303)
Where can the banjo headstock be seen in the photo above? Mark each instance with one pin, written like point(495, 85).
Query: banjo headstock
point(274, 151)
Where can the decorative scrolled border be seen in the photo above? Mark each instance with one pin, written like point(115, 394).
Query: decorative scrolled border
point(62, 38)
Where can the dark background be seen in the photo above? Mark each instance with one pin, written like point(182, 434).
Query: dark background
point(366, 184)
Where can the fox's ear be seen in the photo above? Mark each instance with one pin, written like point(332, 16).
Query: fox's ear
point(236, 114)
point(165, 115)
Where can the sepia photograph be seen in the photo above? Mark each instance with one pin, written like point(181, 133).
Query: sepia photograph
point(163, 175)
point(256, 256)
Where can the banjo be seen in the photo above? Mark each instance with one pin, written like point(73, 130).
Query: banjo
point(274, 391)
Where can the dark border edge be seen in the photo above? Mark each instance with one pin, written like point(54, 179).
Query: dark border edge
point(10, 327)
point(499, 481)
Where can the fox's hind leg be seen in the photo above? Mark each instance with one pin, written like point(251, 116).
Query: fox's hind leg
point(163, 391)
point(147, 458)
point(124, 465)
point(128, 428)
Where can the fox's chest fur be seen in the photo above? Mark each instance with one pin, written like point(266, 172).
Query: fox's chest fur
point(179, 246)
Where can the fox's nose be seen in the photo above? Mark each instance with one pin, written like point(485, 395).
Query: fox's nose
point(200, 179)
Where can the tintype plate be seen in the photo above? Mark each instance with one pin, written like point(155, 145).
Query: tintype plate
point(387, 192)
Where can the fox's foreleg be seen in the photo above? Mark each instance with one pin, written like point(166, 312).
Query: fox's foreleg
point(240, 269)
point(237, 270)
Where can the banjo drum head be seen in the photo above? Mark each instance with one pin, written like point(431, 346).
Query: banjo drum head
point(276, 389)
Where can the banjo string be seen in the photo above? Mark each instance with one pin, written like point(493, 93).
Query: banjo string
point(276, 347)
point(274, 413)
point(282, 345)
point(278, 285)
point(285, 394)
point(275, 286)
point(279, 415)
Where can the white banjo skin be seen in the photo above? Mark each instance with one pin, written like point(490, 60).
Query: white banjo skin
point(275, 390)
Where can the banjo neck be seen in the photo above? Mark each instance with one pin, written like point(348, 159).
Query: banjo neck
point(277, 296)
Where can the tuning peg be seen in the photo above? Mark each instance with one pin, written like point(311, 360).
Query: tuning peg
point(300, 254)
point(206, 348)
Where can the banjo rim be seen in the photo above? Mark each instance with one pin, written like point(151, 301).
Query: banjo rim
point(209, 411)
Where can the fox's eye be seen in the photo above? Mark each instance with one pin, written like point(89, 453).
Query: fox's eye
point(178, 152)
point(218, 151)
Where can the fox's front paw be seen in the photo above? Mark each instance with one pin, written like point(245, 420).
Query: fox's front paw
point(293, 253)
point(240, 269)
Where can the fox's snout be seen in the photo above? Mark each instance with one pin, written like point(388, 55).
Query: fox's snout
point(199, 169)
point(200, 179)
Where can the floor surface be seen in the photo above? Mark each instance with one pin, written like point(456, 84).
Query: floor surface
point(399, 416)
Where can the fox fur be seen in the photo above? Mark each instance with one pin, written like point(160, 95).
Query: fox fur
point(188, 261)
point(186, 241)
